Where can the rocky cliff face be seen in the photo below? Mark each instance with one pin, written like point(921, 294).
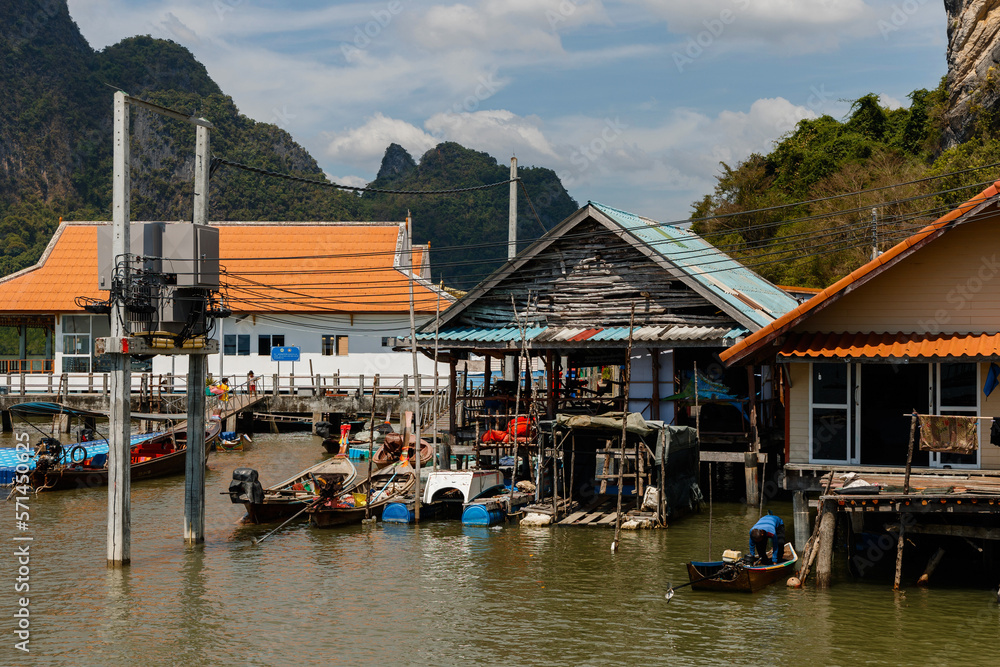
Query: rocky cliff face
point(973, 65)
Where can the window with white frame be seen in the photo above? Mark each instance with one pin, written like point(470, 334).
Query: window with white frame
point(957, 394)
point(830, 412)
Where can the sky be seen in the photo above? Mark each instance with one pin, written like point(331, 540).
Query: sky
point(634, 103)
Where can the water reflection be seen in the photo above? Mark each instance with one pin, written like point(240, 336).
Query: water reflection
point(443, 594)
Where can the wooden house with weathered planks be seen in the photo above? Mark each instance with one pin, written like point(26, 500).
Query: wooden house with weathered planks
point(567, 301)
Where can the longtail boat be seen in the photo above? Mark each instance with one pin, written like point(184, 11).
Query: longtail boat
point(738, 575)
point(392, 451)
point(349, 506)
point(84, 464)
point(284, 499)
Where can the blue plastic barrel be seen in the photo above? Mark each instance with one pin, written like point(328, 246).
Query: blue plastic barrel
point(397, 513)
point(480, 515)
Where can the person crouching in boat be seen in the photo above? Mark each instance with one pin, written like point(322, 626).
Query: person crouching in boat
point(768, 527)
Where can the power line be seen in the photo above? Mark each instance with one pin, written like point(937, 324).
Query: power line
point(216, 161)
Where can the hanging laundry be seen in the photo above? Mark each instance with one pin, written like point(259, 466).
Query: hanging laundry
point(995, 432)
point(952, 434)
point(992, 379)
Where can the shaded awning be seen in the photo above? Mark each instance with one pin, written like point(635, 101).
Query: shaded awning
point(968, 347)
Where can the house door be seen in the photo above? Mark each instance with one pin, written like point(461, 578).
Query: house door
point(888, 393)
point(956, 392)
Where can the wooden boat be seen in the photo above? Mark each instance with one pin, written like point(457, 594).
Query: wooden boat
point(392, 450)
point(348, 506)
point(163, 454)
point(284, 499)
point(739, 576)
point(230, 442)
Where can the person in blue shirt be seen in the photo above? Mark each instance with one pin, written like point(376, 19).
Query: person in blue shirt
point(768, 527)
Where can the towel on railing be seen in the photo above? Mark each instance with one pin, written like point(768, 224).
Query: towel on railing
point(952, 434)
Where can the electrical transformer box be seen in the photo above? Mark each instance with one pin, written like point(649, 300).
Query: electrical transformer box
point(145, 240)
point(191, 255)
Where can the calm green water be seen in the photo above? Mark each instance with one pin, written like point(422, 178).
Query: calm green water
point(437, 594)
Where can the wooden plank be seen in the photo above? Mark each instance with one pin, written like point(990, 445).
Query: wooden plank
point(590, 518)
point(572, 518)
point(610, 518)
point(729, 457)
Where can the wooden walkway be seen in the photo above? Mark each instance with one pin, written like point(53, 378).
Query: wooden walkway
point(602, 511)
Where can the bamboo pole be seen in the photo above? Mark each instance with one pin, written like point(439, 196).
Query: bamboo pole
point(909, 455)
point(899, 555)
point(621, 458)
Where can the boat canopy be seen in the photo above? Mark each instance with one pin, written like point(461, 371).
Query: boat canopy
point(44, 409)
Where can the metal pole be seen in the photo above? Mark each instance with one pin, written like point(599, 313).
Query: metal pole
point(416, 373)
point(119, 430)
point(194, 465)
point(512, 212)
point(434, 412)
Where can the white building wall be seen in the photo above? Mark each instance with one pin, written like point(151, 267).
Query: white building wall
point(366, 354)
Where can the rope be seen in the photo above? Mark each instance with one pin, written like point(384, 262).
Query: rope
point(216, 161)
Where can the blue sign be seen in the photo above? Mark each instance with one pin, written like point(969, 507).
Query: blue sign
point(284, 354)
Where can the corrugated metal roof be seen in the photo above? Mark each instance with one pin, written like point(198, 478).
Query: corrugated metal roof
point(578, 334)
point(737, 285)
point(889, 346)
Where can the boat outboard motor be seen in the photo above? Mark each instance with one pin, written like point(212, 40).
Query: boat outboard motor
point(84, 434)
point(323, 429)
point(245, 487)
point(53, 448)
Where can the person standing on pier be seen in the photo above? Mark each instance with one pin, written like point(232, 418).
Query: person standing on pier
point(768, 527)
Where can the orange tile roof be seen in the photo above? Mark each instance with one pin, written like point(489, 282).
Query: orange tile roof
point(859, 276)
point(290, 267)
point(888, 346)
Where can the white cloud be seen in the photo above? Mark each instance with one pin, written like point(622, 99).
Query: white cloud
point(499, 132)
point(504, 25)
point(799, 26)
point(365, 145)
point(349, 180)
point(890, 102)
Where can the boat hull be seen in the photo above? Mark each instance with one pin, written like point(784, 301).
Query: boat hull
point(284, 499)
point(740, 578)
point(66, 477)
point(384, 488)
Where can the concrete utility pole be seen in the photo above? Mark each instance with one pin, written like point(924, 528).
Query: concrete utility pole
point(512, 212)
point(194, 463)
point(120, 428)
point(416, 374)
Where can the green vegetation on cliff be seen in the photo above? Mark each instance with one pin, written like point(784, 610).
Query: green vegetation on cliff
point(842, 170)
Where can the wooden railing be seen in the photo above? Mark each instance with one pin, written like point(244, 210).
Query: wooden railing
point(26, 365)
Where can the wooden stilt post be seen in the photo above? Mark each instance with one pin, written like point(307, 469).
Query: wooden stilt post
point(824, 568)
point(899, 556)
point(621, 458)
point(909, 453)
point(750, 460)
point(800, 516)
point(120, 429)
point(931, 566)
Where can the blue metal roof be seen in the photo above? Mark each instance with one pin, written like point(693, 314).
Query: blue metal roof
point(738, 286)
point(579, 335)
